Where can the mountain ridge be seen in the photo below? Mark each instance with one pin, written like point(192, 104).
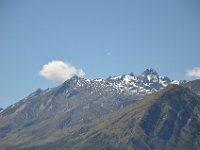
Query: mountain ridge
point(77, 101)
point(168, 119)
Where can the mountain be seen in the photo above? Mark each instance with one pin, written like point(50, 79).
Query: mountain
point(194, 86)
point(76, 101)
point(168, 120)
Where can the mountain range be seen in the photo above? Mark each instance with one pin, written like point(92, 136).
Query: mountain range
point(147, 111)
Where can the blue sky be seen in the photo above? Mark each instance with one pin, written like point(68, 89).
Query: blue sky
point(102, 37)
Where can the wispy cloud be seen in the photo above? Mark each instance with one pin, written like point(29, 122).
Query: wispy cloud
point(194, 72)
point(59, 71)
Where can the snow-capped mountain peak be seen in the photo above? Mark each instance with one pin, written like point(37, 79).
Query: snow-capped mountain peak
point(150, 72)
point(149, 75)
point(147, 82)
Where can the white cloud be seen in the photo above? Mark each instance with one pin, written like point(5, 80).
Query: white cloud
point(195, 72)
point(59, 71)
